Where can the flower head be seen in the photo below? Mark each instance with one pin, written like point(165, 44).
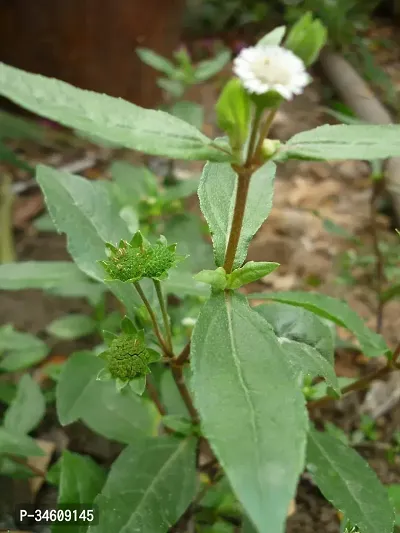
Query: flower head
point(271, 68)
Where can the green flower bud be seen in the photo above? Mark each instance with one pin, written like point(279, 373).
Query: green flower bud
point(127, 357)
point(269, 148)
point(139, 259)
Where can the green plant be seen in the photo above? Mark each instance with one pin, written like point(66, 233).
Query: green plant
point(217, 430)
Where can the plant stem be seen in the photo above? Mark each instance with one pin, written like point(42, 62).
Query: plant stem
point(152, 318)
point(379, 270)
point(264, 131)
point(177, 372)
point(253, 136)
point(7, 252)
point(163, 307)
point(183, 356)
point(362, 383)
point(238, 216)
point(153, 393)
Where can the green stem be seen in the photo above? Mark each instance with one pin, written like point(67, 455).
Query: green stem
point(164, 312)
point(264, 131)
point(152, 318)
point(253, 135)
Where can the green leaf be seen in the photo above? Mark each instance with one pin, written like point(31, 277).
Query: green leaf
point(250, 272)
point(111, 119)
point(134, 183)
point(181, 283)
point(27, 408)
point(233, 113)
point(7, 155)
point(39, 275)
point(14, 127)
point(181, 190)
point(150, 486)
point(17, 444)
point(7, 391)
point(85, 212)
point(391, 293)
point(273, 37)
point(19, 350)
point(345, 142)
point(348, 483)
point(306, 38)
point(372, 344)
point(44, 223)
point(170, 395)
point(175, 88)
point(394, 495)
point(216, 278)
point(156, 61)
point(210, 67)
point(306, 341)
point(120, 417)
point(190, 112)
point(72, 326)
point(251, 410)
point(217, 191)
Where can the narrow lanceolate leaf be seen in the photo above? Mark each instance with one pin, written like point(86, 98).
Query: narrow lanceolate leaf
point(274, 37)
point(39, 275)
point(217, 192)
point(349, 484)
point(251, 271)
point(90, 217)
point(252, 412)
point(372, 344)
point(345, 142)
point(27, 408)
point(306, 341)
point(19, 350)
point(111, 119)
point(72, 326)
point(150, 486)
point(81, 480)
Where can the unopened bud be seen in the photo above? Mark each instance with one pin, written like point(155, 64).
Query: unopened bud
point(269, 148)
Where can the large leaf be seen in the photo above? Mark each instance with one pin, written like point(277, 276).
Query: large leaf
point(134, 183)
point(17, 444)
point(89, 216)
point(19, 350)
point(252, 412)
point(345, 142)
point(39, 275)
point(217, 192)
point(27, 408)
point(111, 119)
point(81, 480)
point(117, 416)
point(349, 484)
point(189, 112)
point(372, 344)
point(306, 341)
point(149, 487)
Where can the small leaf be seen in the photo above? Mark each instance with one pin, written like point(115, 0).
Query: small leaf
point(156, 61)
point(19, 350)
point(27, 408)
point(216, 278)
point(306, 38)
point(111, 119)
point(138, 385)
point(217, 191)
point(348, 483)
point(134, 183)
point(251, 271)
point(345, 142)
point(306, 341)
point(252, 413)
point(17, 444)
point(179, 424)
point(127, 326)
point(150, 486)
point(80, 481)
point(372, 344)
point(274, 37)
point(210, 67)
point(72, 326)
point(233, 113)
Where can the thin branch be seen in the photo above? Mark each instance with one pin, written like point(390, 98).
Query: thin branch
point(183, 356)
point(152, 318)
point(177, 373)
point(164, 313)
point(264, 131)
point(153, 393)
point(253, 136)
point(380, 263)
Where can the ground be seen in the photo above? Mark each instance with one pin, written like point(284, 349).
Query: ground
point(293, 236)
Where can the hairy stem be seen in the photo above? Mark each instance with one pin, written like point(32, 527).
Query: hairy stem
point(152, 318)
point(183, 356)
point(238, 216)
point(164, 313)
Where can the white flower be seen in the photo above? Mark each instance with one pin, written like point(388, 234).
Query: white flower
point(271, 68)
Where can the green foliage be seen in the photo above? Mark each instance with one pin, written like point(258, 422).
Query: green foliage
point(274, 37)
point(250, 440)
point(19, 350)
point(72, 326)
point(26, 409)
point(145, 502)
point(306, 38)
point(38, 275)
point(17, 444)
point(347, 481)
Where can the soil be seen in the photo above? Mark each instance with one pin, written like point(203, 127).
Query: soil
point(293, 236)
